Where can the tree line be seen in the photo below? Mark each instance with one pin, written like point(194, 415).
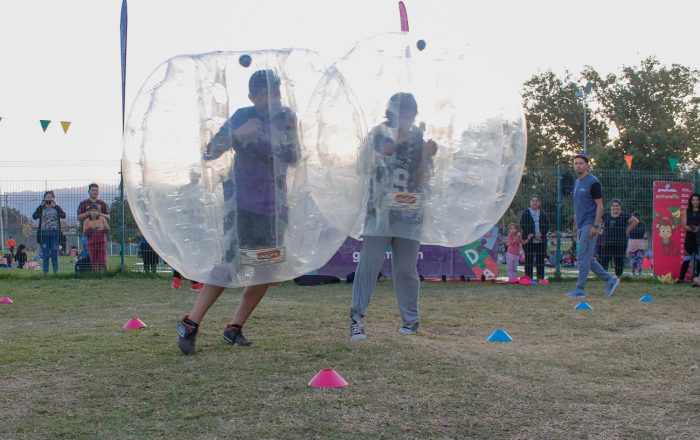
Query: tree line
point(649, 111)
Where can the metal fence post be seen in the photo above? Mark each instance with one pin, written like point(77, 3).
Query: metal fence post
point(122, 222)
point(557, 264)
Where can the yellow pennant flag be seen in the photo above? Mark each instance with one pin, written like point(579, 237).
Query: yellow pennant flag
point(65, 125)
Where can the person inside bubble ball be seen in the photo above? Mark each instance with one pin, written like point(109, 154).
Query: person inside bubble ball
point(265, 141)
point(398, 161)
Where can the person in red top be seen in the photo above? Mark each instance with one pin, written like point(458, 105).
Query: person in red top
point(11, 243)
point(96, 229)
point(84, 207)
point(515, 247)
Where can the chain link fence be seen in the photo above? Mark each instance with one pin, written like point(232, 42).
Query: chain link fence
point(22, 185)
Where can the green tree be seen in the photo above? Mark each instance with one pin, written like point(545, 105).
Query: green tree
point(115, 211)
point(13, 218)
point(555, 120)
point(655, 112)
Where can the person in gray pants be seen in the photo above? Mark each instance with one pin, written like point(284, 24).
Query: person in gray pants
point(398, 160)
point(588, 209)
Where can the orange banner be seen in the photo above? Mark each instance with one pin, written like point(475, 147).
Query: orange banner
point(628, 159)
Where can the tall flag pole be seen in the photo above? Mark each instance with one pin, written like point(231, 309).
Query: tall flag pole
point(122, 32)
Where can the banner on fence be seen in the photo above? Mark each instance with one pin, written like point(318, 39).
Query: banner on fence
point(667, 237)
point(470, 261)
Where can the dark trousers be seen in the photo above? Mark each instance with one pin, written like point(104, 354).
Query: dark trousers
point(614, 252)
point(534, 254)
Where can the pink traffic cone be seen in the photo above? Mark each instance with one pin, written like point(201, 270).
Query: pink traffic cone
point(6, 300)
point(134, 323)
point(327, 378)
point(525, 281)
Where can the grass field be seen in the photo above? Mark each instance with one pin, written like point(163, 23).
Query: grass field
point(622, 370)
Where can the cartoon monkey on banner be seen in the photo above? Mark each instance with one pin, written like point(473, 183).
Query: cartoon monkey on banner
point(665, 228)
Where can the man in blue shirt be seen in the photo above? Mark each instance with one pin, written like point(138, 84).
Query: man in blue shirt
point(588, 209)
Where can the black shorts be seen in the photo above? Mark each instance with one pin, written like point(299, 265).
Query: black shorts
point(257, 231)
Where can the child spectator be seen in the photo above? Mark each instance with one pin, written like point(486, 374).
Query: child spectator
point(148, 254)
point(21, 256)
point(96, 229)
point(515, 248)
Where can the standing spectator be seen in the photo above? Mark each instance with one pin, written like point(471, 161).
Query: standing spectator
point(690, 220)
point(84, 206)
point(535, 223)
point(49, 215)
point(177, 281)
point(397, 159)
point(588, 209)
point(96, 229)
point(637, 244)
point(149, 256)
point(616, 227)
point(515, 242)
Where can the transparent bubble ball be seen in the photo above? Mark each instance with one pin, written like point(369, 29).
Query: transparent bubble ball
point(477, 126)
point(232, 175)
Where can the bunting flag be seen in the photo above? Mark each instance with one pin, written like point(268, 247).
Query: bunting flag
point(673, 162)
point(404, 17)
point(44, 124)
point(65, 125)
point(628, 159)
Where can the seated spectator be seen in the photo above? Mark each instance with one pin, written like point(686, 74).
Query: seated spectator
point(21, 256)
point(11, 243)
point(569, 259)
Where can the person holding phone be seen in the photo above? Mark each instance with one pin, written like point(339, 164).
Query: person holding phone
point(49, 214)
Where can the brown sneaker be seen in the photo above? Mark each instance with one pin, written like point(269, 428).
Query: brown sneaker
point(234, 335)
point(186, 335)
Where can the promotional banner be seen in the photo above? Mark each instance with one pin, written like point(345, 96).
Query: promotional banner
point(667, 237)
point(470, 261)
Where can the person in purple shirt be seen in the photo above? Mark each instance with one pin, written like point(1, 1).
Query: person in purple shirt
point(265, 141)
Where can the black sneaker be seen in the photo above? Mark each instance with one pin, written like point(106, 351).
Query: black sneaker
point(234, 335)
point(186, 335)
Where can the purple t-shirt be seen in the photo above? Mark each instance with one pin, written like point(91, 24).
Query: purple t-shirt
point(259, 178)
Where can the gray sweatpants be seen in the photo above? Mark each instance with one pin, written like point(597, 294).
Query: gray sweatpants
point(404, 273)
point(585, 245)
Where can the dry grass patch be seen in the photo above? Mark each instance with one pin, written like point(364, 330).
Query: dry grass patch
point(618, 371)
